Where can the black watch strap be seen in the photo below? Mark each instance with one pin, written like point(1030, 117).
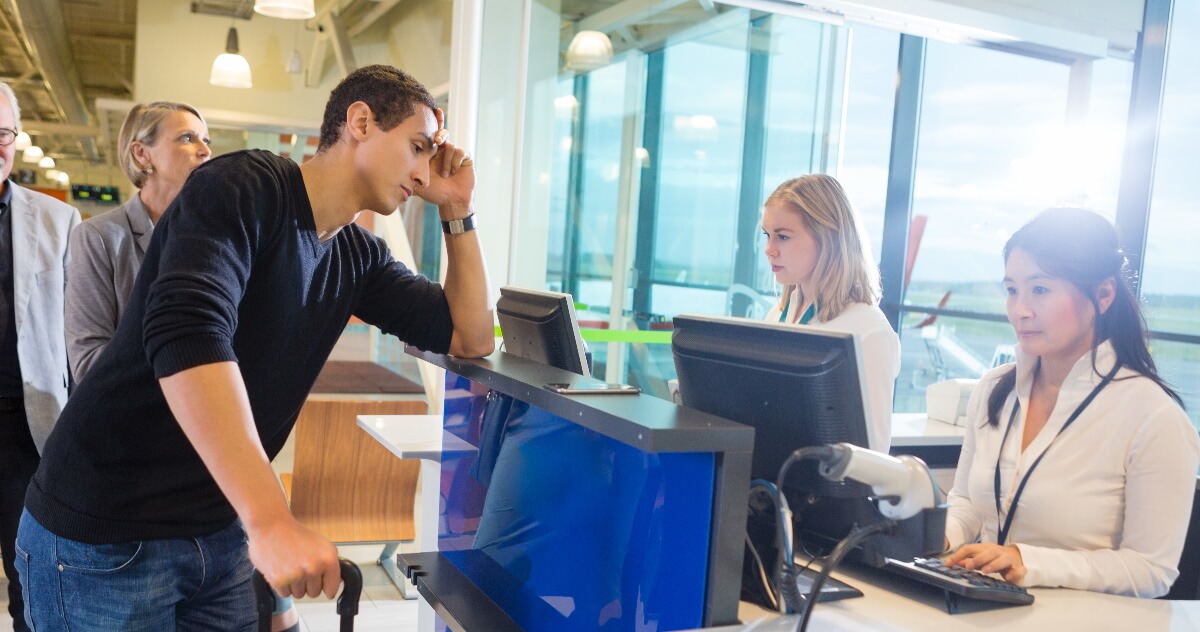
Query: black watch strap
point(459, 226)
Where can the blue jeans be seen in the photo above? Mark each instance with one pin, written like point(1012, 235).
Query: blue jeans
point(199, 583)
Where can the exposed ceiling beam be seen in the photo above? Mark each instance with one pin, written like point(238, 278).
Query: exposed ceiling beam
point(45, 29)
point(625, 14)
point(330, 34)
point(107, 40)
point(116, 109)
point(63, 129)
point(372, 17)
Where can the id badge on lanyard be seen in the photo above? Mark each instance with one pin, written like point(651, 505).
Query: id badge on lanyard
point(1002, 532)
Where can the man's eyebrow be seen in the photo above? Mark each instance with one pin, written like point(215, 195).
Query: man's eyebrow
point(428, 140)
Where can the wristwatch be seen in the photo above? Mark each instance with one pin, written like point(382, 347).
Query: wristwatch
point(459, 226)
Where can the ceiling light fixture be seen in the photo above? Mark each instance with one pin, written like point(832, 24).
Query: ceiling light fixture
point(63, 178)
point(589, 50)
point(230, 69)
point(23, 141)
point(295, 64)
point(33, 153)
point(46, 162)
point(285, 9)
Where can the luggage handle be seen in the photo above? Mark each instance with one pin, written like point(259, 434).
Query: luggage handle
point(352, 585)
point(347, 602)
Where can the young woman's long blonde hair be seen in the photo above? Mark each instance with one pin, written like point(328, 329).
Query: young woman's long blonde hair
point(845, 272)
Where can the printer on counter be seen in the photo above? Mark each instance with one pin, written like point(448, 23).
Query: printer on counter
point(947, 401)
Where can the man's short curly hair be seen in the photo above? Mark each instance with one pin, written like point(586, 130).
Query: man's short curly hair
point(391, 93)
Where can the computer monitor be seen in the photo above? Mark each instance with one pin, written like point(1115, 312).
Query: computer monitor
point(539, 325)
point(797, 386)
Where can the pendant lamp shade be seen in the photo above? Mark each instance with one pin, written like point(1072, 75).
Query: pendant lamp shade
point(589, 50)
point(230, 69)
point(23, 141)
point(46, 162)
point(295, 65)
point(33, 153)
point(286, 9)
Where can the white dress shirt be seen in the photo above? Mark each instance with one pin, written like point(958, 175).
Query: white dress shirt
point(1108, 507)
point(879, 348)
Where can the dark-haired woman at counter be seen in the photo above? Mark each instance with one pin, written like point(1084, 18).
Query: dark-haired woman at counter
point(1078, 467)
point(817, 253)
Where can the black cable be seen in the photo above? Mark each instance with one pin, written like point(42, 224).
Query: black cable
point(785, 548)
point(845, 546)
point(822, 453)
point(786, 575)
point(762, 574)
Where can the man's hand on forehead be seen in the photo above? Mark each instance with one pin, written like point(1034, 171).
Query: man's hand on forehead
point(441, 134)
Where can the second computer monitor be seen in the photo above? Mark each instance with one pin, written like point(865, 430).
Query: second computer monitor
point(540, 325)
point(797, 386)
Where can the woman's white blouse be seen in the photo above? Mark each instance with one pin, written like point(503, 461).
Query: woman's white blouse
point(1108, 507)
point(880, 350)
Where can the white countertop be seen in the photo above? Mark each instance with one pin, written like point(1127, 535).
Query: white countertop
point(915, 429)
point(415, 436)
point(889, 603)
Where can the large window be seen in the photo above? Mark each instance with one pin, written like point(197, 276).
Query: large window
point(698, 167)
point(984, 119)
point(1168, 285)
point(591, 205)
point(997, 143)
point(661, 161)
point(867, 135)
point(732, 107)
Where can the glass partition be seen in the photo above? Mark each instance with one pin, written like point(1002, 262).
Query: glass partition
point(658, 161)
point(1168, 286)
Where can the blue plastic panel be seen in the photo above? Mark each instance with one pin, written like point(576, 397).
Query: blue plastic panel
point(610, 537)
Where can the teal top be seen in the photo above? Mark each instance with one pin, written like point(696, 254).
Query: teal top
point(804, 318)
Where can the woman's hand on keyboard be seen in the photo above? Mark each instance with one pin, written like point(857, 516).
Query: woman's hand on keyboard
point(990, 558)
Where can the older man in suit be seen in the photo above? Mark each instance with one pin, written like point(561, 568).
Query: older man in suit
point(34, 230)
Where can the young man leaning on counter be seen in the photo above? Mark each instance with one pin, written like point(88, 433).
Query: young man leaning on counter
point(155, 495)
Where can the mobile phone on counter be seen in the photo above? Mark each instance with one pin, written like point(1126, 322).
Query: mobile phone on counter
point(592, 388)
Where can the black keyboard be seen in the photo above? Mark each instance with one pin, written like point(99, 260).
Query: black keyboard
point(960, 583)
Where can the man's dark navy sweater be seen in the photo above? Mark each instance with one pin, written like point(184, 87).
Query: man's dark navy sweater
point(235, 272)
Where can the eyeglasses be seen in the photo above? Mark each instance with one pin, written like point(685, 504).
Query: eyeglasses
point(7, 136)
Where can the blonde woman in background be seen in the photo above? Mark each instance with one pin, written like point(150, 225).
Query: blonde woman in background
point(817, 253)
point(159, 145)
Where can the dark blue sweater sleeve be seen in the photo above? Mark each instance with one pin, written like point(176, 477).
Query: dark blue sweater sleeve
point(403, 303)
point(206, 241)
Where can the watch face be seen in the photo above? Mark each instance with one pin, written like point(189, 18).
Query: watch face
point(459, 226)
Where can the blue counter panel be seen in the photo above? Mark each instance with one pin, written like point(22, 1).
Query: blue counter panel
point(610, 537)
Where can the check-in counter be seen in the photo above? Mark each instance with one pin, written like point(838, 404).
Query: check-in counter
point(579, 512)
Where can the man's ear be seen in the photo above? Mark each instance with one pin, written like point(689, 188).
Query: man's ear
point(358, 118)
point(1106, 293)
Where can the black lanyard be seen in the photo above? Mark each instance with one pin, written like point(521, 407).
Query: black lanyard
point(1012, 508)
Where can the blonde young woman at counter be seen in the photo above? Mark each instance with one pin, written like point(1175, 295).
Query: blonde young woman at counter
point(817, 253)
point(1087, 448)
